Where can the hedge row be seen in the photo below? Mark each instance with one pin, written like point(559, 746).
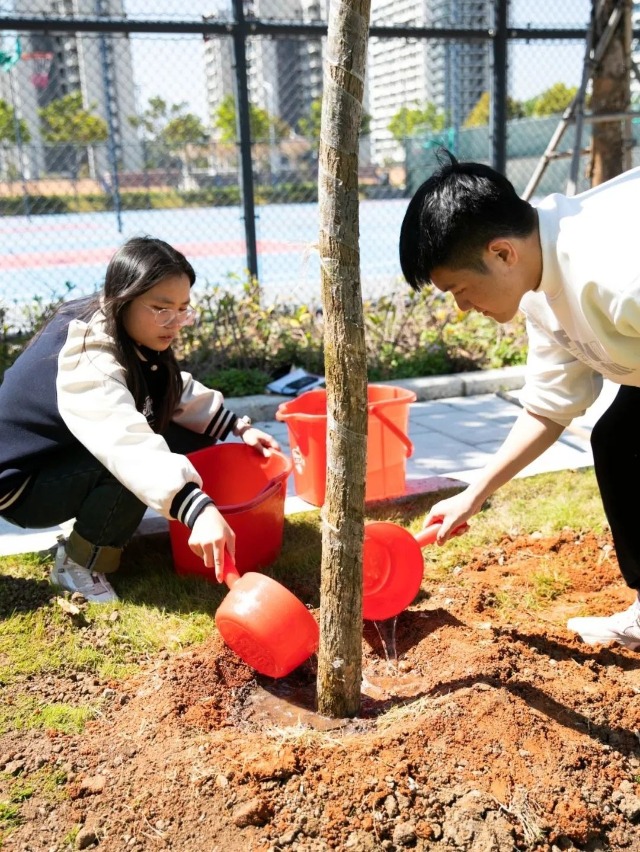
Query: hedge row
point(155, 199)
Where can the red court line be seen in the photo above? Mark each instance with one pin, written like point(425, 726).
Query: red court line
point(221, 249)
point(93, 256)
point(73, 257)
point(39, 228)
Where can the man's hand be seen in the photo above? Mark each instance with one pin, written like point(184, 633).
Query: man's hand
point(452, 514)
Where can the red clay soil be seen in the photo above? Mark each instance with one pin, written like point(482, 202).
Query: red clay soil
point(498, 730)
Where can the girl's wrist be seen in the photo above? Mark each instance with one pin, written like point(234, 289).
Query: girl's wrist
point(242, 424)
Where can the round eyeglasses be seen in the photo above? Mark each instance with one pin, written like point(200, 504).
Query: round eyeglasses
point(164, 317)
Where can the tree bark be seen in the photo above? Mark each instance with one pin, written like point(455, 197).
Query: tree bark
point(340, 653)
point(611, 93)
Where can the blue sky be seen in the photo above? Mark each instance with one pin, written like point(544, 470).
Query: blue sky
point(536, 66)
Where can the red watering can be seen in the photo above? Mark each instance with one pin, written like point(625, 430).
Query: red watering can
point(392, 567)
point(266, 625)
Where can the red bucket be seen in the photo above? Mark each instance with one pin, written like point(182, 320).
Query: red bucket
point(249, 490)
point(388, 444)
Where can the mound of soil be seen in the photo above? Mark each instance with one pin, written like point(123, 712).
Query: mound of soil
point(495, 730)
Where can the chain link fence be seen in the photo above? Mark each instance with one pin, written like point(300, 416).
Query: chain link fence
point(528, 139)
point(201, 127)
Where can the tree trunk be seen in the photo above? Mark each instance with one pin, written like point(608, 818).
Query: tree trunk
point(611, 93)
point(340, 653)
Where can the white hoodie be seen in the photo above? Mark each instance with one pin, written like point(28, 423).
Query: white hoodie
point(583, 321)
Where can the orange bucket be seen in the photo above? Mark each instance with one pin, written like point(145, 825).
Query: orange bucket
point(249, 490)
point(388, 444)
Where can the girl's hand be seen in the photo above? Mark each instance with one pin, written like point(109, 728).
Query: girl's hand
point(256, 438)
point(210, 535)
point(261, 441)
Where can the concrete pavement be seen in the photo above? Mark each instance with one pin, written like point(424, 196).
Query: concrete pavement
point(455, 426)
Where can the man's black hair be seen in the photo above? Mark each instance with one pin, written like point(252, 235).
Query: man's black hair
point(455, 214)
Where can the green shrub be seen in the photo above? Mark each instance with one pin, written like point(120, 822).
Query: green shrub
point(25, 322)
point(287, 193)
point(235, 382)
point(239, 344)
point(302, 192)
point(15, 205)
point(408, 335)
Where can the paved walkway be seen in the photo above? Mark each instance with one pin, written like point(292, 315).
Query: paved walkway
point(454, 430)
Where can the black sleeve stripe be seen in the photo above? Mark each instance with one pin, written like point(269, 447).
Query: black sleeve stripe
point(188, 503)
point(195, 507)
point(221, 424)
point(179, 499)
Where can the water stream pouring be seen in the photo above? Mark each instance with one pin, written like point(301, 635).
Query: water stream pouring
point(264, 623)
point(392, 567)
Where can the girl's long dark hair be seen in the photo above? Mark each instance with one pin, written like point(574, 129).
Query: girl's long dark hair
point(137, 266)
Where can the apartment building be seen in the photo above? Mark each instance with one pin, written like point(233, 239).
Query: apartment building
point(452, 75)
point(57, 64)
point(284, 74)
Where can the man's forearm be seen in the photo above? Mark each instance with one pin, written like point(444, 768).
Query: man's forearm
point(529, 437)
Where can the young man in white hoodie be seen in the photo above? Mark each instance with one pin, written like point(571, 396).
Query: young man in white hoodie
point(571, 265)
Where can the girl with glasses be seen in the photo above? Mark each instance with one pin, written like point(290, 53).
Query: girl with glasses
point(96, 419)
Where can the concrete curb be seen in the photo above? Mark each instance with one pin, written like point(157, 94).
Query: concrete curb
point(264, 406)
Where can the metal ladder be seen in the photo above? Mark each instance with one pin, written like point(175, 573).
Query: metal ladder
point(574, 113)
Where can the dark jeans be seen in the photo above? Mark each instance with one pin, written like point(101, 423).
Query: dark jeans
point(74, 484)
point(615, 441)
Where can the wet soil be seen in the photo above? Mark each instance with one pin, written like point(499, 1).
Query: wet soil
point(496, 730)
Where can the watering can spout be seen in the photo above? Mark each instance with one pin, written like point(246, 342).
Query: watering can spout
point(429, 534)
point(229, 571)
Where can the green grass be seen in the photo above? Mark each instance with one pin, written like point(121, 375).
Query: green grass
point(9, 817)
point(546, 504)
point(23, 712)
point(160, 611)
point(17, 792)
point(546, 586)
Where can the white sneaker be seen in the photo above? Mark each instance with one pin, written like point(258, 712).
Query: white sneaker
point(623, 627)
point(74, 578)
